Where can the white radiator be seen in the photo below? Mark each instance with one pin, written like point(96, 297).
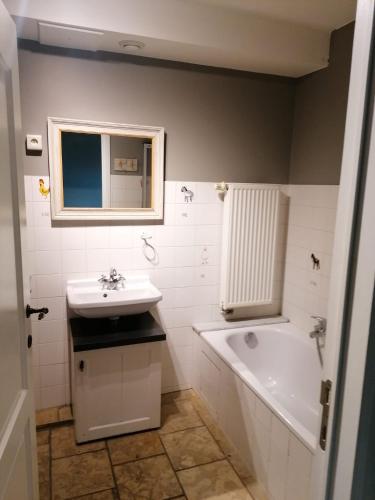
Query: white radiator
point(249, 245)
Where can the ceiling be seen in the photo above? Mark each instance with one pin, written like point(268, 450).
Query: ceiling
point(323, 14)
point(280, 37)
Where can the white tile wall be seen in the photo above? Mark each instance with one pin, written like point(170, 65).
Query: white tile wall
point(187, 272)
point(188, 247)
point(312, 214)
point(126, 190)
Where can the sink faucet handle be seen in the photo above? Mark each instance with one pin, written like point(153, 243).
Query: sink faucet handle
point(121, 279)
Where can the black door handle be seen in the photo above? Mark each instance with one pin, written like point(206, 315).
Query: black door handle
point(29, 341)
point(40, 312)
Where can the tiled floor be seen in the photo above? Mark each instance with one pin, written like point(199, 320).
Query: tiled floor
point(187, 458)
point(53, 415)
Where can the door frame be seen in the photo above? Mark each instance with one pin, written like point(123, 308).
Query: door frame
point(327, 465)
point(359, 313)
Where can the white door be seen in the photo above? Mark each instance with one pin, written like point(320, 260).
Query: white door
point(325, 474)
point(18, 470)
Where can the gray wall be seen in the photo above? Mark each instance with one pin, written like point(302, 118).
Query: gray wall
point(319, 118)
point(220, 125)
point(127, 147)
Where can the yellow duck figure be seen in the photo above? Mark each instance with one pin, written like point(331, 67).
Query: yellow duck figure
point(44, 191)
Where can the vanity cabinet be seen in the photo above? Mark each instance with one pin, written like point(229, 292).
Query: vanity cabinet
point(115, 389)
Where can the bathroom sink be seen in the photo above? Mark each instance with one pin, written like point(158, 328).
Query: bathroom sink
point(89, 299)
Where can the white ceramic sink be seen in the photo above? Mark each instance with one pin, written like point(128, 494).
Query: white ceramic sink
point(88, 298)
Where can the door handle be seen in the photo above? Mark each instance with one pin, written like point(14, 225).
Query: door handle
point(325, 401)
point(40, 312)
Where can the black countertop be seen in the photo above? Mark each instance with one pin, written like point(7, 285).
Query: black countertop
point(100, 333)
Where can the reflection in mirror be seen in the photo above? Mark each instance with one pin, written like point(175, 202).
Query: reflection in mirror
point(106, 171)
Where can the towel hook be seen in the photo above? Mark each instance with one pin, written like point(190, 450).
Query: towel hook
point(221, 187)
point(153, 257)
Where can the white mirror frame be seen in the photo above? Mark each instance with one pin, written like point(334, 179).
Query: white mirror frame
point(61, 213)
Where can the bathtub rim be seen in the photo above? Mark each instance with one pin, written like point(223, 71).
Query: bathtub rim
point(250, 380)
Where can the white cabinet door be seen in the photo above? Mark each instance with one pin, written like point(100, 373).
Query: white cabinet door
point(116, 390)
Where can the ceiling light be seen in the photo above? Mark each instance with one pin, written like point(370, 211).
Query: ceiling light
point(131, 45)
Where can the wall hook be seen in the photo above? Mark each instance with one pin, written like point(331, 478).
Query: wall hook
point(188, 194)
point(221, 187)
point(149, 251)
point(316, 262)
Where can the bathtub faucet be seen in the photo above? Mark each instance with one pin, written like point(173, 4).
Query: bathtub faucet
point(319, 334)
point(320, 328)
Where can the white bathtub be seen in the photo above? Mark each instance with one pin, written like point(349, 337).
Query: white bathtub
point(281, 366)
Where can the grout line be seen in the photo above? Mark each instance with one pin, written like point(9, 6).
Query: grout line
point(174, 471)
point(112, 470)
point(92, 493)
point(161, 434)
point(80, 453)
point(138, 459)
point(50, 462)
point(224, 459)
point(241, 481)
point(226, 455)
point(51, 425)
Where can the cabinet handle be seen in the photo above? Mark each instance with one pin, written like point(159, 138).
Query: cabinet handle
point(81, 365)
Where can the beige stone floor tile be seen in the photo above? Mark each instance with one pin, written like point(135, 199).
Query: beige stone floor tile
point(44, 491)
point(47, 416)
point(212, 425)
point(81, 475)
point(102, 495)
point(191, 447)
point(65, 414)
point(171, 397)
point(43, 463)
point(213, 481)
point(243, 471)
point(150, 478)
point(178, 416)
point(134, 446)
point(44, 472)
point(42, 437)
point(256, 490)
point(63, 443)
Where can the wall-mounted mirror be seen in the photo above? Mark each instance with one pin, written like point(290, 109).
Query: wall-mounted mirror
point(103, 171)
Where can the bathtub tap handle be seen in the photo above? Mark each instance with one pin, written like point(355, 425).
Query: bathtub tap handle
point(319, 334)
point(320, 327)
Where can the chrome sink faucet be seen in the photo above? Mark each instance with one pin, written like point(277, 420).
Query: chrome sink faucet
point(113, 281)
point(319, 334)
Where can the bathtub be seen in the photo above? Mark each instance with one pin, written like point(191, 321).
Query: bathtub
point(261, 384)
point(281, 366)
